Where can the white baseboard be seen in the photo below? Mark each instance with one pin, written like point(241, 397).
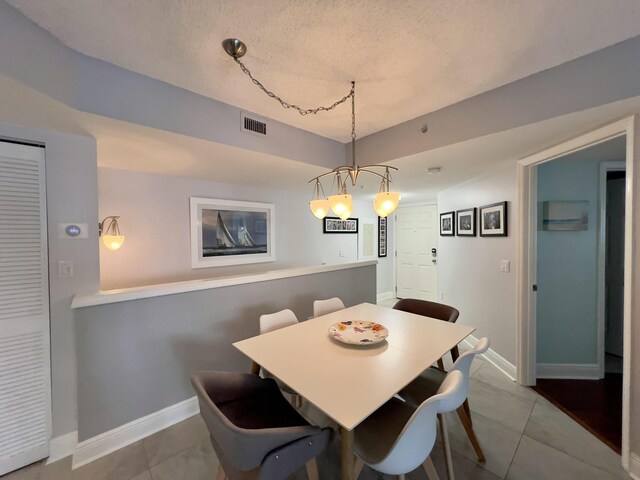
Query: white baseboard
point(105, 443)
point(62, 446)
point(497, 360)
point(634, 466)
point(568, 371)
point(385, 296)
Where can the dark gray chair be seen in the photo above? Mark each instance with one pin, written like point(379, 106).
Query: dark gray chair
point(255, 432)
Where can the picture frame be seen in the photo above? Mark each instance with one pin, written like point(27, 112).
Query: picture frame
point(493, 220)
point(466, 222)
point(565, 216)
point(229, 232)
point(382, 237)
point(337, 225)
point(447, 224)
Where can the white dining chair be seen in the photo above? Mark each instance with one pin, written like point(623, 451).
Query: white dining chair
point(428, 384)
point(397, 438)
point(275, 321)
point(324, 307)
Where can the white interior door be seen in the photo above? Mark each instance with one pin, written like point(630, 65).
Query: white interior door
point(25, 386)
point(417, 235)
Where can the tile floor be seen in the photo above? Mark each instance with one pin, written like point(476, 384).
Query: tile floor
point(524, 437)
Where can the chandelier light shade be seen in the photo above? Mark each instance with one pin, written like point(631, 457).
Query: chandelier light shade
point(341, 203)
point(385, 203)
point(109, 231)
point(319, 208)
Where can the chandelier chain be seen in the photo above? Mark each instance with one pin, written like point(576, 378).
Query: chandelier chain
point(301, 111)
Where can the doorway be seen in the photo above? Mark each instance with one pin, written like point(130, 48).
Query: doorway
point(527, 274)
point(416, 262)
point(580, 281)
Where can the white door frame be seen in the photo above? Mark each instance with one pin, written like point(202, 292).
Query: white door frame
point(602, 254)
point(526, 325)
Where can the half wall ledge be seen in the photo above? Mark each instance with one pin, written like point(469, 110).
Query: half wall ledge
point(103, 297)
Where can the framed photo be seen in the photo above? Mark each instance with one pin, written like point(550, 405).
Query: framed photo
point(226, 232)
point(382, 237)
point(337, 225)
point(447, 224)
point(493, 220)
point(466, 222)
point(565, 216)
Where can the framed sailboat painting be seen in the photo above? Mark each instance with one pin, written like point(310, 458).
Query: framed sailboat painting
point(227, 232)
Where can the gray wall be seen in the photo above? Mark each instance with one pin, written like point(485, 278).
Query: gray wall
point(599, 78)
point(135, 358)
point(469, 275)
point(34, 57)
point(566, 302)
point(71, 182)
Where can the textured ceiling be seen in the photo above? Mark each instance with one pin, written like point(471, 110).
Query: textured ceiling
point(408, 57)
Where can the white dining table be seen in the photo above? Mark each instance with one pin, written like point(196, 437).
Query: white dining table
point(350, 382)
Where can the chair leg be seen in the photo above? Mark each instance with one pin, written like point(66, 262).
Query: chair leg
point(465, 405)
point(255, 368)
point(312, 470)
point(466, 423)
point(444, 436)
point(430, 469)
point(455, 353)
point(358, 468)
point(220, 475)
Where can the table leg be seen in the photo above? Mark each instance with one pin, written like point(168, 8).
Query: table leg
point(347, 453)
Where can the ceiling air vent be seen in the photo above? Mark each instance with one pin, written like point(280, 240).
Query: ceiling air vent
point(252, 125)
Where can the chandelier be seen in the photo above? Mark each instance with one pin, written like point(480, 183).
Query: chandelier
point(341, 203)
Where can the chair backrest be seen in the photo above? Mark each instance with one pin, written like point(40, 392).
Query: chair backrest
point(274, 321)
point(463, 364)
point(240, 448)
point(428, 309)
point(324, 307)
point(415, 442)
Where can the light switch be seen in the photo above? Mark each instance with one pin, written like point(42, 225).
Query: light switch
point(505, 266)
point(341, 253)
point(65, 269)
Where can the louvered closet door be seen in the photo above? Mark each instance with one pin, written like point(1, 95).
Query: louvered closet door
point(25, 387)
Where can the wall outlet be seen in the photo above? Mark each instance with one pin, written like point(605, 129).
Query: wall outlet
point(341, 252)
point(505, 266)
point(65, 269)
point(441, 296)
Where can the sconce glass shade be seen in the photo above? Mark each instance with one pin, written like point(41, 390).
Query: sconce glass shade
point(385, 203)
point(109, 230)
point(319, 207)
point(341, 205)
point(113, 242)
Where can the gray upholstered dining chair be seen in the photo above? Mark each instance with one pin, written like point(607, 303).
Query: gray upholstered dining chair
point(255, 432)
point(435, 310)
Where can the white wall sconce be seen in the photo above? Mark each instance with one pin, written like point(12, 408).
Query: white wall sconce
point(110, 232)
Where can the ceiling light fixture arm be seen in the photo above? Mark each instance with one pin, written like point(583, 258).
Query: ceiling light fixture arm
point(385, 201)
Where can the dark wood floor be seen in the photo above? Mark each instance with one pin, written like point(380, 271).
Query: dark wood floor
point(594, 404)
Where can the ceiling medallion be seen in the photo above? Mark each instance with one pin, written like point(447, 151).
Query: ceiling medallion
point(340, 203)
